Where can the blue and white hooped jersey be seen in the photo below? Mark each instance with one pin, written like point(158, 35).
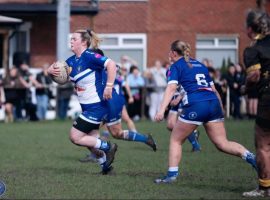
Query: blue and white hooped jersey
point(86, 73)
point(195, 80)
point(178, 107)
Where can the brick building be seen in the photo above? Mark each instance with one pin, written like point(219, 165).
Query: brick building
point(142, 29)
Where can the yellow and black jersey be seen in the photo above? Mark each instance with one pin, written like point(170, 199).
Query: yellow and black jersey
point(258, 57)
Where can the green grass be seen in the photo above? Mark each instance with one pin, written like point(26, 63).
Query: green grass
point(37, 161)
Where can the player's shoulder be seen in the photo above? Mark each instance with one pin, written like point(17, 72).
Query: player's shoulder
point(70, 60)
point(196, 63)
point(88, 53)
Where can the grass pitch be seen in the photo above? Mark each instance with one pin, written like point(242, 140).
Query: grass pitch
point(37, 161)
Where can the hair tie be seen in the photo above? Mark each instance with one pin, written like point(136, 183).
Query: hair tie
point(89, 32)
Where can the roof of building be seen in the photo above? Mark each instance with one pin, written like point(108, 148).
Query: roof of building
point(32, 8)
point(5, 19)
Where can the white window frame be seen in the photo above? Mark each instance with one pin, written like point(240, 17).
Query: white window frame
point(217, 45)
point(121, 45)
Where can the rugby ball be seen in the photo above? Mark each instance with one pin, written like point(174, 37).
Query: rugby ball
point(63, 77)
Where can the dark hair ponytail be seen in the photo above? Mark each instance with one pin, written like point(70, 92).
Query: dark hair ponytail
point(259, 22)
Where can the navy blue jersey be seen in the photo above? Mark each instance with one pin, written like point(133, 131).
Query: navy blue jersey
point(194, 80)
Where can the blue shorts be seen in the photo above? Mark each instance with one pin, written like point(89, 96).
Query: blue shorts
point(175, 109)
point(115, 107)
point(108, 111)
point(94, 113)
point(202, 112)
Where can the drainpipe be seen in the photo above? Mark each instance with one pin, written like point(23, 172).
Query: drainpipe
point(63, 30)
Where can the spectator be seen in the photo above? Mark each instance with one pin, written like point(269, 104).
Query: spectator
point(127, 62)
point(12, 84)
point(135, 81)
point(240, 80)
point(64, 93)
point(43, 94)
point(26, 94)
point(234, 92)
point(158, 75)
point(207, 62)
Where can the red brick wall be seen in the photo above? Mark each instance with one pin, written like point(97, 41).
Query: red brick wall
point(43, 40)
point(167, 20)
point(122, 17)
point(184, 19)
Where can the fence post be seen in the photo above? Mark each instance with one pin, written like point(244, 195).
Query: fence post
point(228, 103)
point(143, 101)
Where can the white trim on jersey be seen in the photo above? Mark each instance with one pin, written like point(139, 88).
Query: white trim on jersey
point(89, 120)
point(211, 83)
point(173, 112)
point(80, 74)
point(106, 62)
point(189, 121)
point(113, 123)
point(217, 120)
point(173, 81)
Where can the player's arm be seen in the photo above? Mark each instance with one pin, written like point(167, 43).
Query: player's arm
point(24, 82)
point(35, 82)
point(53, 70)
point(130, 97)
point(111, 74)
point(169, 92)
point(176, 100)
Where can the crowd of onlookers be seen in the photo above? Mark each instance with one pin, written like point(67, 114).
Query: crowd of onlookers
point(147, 88)
point(26, 96)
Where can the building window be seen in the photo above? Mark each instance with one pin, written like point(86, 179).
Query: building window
point(132, 45)
point(218, 49)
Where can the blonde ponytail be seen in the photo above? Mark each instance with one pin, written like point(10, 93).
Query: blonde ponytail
point(91, 38)
point(95, 40)
point(187, 52)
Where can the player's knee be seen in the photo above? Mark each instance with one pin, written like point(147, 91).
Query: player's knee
point(74, 138)
point(170, 126)
point(220, 146)
point(116, 132)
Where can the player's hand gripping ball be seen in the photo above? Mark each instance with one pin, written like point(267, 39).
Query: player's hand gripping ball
point(63, 76)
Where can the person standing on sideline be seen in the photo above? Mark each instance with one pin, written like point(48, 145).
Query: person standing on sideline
point(64, 93)
point(158, 75)
point(257, 61)
point(201, 106)
point(43, 92)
